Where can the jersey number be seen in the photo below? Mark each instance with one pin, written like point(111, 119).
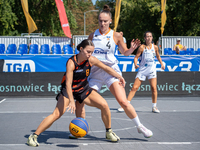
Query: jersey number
point(87, 72)
point(108, 45)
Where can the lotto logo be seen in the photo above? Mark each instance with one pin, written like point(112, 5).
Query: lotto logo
point(19, 66)
point(75, 130)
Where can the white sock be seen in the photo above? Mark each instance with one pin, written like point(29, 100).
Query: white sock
point(137, 121)
point(154, 104)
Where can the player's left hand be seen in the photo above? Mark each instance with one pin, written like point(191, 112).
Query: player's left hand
point(135, 44)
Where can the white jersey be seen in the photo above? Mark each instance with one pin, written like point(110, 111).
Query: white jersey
point(105, 47)
point(104, 50)
point(147, 63)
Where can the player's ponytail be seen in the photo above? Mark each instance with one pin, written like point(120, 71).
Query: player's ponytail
point(84, 43)
point(106, 9)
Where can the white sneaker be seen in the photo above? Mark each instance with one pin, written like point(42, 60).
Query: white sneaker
point(120, 110)
point(32, 140)
point(111, 136)
point(155, 110)
point(146, 132)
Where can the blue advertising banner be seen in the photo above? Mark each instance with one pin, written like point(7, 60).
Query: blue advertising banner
point(34, 63)
point(56, 63)
point(172, 63)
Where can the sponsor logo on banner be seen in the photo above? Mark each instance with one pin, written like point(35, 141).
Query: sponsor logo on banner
point(65, 25)
point(19, 66)
point(128, 66)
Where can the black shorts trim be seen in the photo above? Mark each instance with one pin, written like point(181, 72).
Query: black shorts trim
point(80, 97)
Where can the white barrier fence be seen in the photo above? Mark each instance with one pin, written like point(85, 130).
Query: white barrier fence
point(17, 40)
point(164, 41)
point(77, 39)
point(50, 41)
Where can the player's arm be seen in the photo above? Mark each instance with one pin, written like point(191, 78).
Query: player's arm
point(158, 57)
point(139, 52)
point(90, 37)
point(69, 78)
point(123, 47)
point(109, 70)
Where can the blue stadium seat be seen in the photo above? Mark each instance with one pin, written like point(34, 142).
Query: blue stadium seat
point(167, 50)
point(173, 52)
point(23, 49)
point(188, 51)
point(198, 50)
point(2, 48)
point(182, 52)
point(45, 49)
point(11, 49)
point(67, 49)
point(56, 49)
point(194, 53)
point(33, 49)
point(170, 53)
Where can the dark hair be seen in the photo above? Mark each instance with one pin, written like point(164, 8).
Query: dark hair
point(85, 43)
point(147, 32)
point(106, 9)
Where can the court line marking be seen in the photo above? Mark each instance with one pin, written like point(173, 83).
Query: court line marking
point(107, 143)
point(2, 100)
point(96, 111)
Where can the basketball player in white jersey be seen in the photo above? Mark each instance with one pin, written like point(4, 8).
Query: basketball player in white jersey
point(147, 68)
point(105, 41)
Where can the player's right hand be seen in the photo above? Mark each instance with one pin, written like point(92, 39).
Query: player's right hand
point(71, 106)
point(136, 66)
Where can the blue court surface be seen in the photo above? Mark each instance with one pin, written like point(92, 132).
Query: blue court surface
point(177, 127)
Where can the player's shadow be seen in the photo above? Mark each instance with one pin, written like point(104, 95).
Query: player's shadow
point(43, 138)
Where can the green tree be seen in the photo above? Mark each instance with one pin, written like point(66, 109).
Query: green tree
point(8, 19)
point(183, 18)
point(46, 17)
point(138, 16)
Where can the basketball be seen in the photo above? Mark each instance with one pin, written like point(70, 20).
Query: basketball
point(78, 127)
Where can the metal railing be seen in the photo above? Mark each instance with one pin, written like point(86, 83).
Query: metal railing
point(17, 40)
point(77, 39)
point(50, 41)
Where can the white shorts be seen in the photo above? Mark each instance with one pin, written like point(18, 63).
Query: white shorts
point(143, 76)
point(98, 77)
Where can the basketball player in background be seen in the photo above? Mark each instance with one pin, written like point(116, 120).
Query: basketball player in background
point(147, 68)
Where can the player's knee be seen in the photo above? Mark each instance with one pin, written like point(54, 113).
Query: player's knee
point(124, 104)
point(57, 115)
point(104, 106)
point(153, 89)
point(134, 89)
